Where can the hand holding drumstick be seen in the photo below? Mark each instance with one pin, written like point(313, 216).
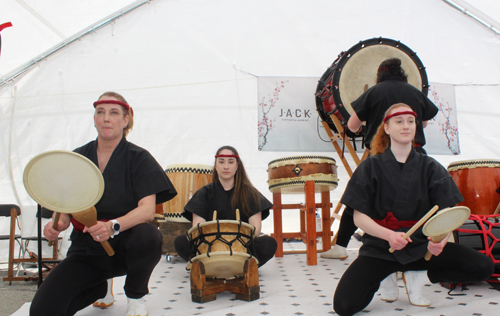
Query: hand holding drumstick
point(418, 224)
point(89, 218)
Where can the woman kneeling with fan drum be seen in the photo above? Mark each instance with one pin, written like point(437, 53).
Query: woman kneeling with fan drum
point(389, 192)
point(230, 190)
point(134, 183)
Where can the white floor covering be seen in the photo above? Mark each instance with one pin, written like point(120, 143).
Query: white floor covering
point(290, 287)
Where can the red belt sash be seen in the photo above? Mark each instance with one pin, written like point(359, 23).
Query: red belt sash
point(391, 222)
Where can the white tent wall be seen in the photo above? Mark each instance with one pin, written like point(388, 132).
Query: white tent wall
point(189, 69)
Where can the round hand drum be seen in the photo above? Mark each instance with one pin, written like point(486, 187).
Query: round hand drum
point(444, 222)
point(64, 182)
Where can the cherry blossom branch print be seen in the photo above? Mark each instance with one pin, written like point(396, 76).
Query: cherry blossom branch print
point(265, 124)
point(446, 127)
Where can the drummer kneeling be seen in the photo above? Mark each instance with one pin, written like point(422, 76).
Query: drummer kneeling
point(389, 191)
point(134, 183)
point(230, 190)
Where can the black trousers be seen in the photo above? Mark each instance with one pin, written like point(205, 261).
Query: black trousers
point(79, 280)
point(264, 246)
point(456, 264)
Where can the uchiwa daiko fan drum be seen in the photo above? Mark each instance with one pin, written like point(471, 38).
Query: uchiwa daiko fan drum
point(66, 182)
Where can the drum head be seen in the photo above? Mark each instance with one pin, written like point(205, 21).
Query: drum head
point(223, 222)
point(355, 70)
point(446, 221)
point(63, 181)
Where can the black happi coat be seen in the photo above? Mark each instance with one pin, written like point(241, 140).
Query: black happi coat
point(372, 105)
point(213, 197)
point(131, 174)
point(379, 185)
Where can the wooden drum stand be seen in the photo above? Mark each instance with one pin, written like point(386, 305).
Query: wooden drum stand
point(310, 175)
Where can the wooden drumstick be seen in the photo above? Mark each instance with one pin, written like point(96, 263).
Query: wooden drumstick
point(88, 218)
point(439, 238)
point(237, 214)
point(54, 225)
point(497, 211)
point(214, 218)
point(418, 224)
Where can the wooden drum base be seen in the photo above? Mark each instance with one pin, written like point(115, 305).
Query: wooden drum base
point(204, 289)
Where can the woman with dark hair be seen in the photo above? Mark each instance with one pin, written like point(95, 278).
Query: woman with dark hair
point(389, 192)
point(230, 190)
point(134, 184)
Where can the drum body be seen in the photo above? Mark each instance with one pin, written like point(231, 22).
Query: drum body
point(355, 70)
point(289, 174)
point(187, 179)
point(222, 246)
point(479, 183)
point(169, 231)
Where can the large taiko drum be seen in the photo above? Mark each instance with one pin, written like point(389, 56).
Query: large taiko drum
point(187, 179)
point(289, 174)
point(355, 70)
point(222, 246)
point(479, 182)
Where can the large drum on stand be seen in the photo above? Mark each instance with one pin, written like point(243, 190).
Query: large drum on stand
point(479, 182)
point(355, 70)
point(187, 179)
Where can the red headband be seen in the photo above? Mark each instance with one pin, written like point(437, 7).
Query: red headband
point(399, 113)
point(228, 156)
point(125, 105)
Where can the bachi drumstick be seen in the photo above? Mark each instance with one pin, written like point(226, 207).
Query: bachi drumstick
point(418, 224)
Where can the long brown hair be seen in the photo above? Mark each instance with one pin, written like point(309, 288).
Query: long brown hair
point(381, 140)
point(245, 194)
point(130, 112)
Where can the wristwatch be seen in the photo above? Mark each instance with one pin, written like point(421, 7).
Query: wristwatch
point(115, 225)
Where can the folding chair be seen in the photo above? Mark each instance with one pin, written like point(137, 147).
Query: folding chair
point(13, 211)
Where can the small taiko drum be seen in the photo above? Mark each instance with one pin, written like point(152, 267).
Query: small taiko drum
point(222, 246)
point(289, 174)
point(479, 182)
point(187, 179)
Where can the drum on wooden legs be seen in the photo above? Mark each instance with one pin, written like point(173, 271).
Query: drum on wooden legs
point(289, 174)
point(479, 182)
point(222, 246)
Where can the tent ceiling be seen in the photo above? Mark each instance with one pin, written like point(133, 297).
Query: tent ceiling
point(40, 25)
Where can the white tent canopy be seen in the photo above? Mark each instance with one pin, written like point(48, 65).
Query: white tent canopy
point(189, 69)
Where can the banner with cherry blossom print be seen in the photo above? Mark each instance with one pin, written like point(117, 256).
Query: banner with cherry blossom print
point(288, 119)
point(441, 133)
